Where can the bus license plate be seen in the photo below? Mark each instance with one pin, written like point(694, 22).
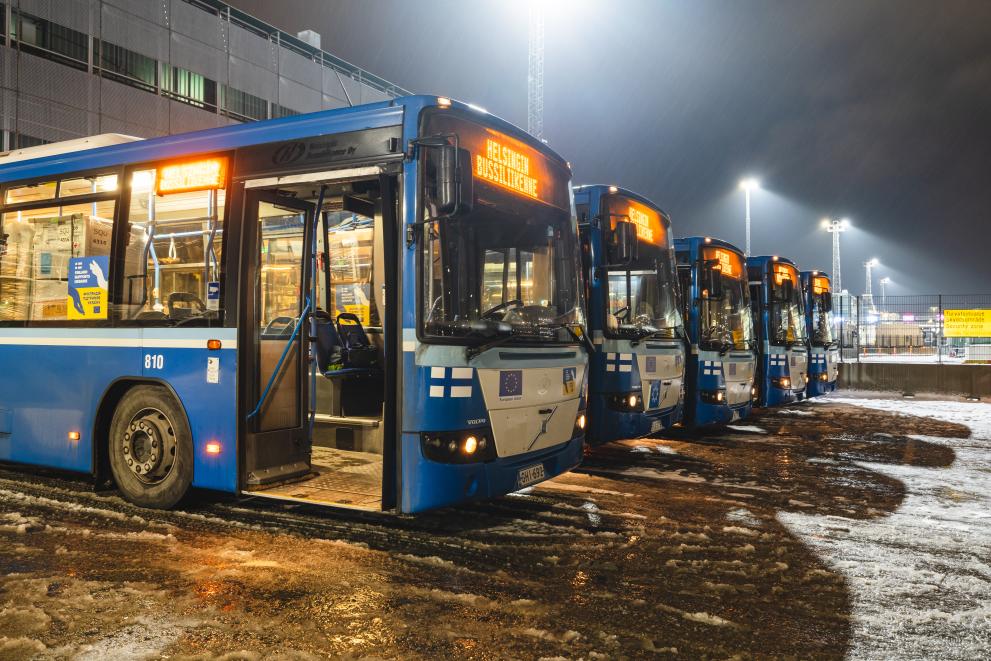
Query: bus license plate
point(529, 475)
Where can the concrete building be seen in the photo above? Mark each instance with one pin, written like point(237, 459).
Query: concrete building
point(73, 68)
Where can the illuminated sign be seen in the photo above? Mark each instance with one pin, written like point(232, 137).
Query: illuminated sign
point(647, 221)
point(191, 176)
point(820, 285)
point(730, 264)
point(506, 167)
point(503, 164)
point(784, 272)
point(967, 323)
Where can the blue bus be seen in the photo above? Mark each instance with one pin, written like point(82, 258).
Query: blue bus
point(716, 306)
point(374, 307)
point(779, 322)
point(636, 374)
point(824, 354)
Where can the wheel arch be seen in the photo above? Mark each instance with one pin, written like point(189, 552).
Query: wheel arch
point(111, 397)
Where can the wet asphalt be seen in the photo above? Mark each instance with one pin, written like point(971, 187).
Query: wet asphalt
point(659, 547)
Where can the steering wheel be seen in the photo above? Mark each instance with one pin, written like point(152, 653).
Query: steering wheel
point(502, 306)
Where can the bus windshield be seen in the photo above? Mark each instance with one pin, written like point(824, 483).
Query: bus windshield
point(822, 315)
point(508, 267)
point(642, 300)
point(787, 312)
point(725, 314)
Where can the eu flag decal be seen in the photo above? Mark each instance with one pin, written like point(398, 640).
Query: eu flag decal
point(655, 395)
point(510, 384)
point(569, 380)
point(651, 365)
point(732, 369)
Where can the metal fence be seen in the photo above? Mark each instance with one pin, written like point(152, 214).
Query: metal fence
point(927, 328)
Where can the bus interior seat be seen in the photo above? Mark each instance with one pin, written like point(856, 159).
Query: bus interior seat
point(356, 349)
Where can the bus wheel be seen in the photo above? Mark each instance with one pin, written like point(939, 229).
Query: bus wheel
point(151, 448)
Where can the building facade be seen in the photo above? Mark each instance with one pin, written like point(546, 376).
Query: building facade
point(74, 68)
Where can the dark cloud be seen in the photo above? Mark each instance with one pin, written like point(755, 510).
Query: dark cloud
point(878, 110)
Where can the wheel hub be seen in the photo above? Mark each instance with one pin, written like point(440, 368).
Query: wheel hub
point(148, 446)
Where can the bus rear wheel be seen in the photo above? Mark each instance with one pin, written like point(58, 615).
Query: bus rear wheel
point(151, 448)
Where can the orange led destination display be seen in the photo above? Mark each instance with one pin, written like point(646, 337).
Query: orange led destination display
point(730, 263)
point(502, 163)
point(191, 176)
point(784, 272)
point(504, 166)
point(820, 285)
point(647, 221)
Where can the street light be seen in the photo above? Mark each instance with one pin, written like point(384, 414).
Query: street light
point(868, 265)
point(883, 281)
point(747, 185)
point(834, 227)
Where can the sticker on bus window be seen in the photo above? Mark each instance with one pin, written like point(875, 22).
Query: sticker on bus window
point(213, 296)
point(87, 298)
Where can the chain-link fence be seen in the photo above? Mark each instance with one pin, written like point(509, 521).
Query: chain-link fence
point(927, 328)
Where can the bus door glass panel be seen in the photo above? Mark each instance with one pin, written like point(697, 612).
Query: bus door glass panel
point(351, 256)
point(279, 300)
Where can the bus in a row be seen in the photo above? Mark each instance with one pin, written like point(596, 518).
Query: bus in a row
point(391, 307)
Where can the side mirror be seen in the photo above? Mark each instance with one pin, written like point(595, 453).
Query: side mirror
point(448, 187)
point(622, 247)
point(712, 279)
point(827, 303)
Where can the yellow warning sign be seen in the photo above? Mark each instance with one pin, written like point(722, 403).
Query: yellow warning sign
point(967, 323)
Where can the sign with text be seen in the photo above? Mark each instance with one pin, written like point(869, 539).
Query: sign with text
point(504, 162)
point(88, 291)
point(647, 221)
point(820, 284)
point(967, 323)
point(730, 263)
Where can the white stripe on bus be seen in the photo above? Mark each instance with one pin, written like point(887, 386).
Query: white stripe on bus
point(123, 342)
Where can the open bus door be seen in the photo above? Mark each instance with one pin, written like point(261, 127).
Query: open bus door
point(319, 372)
point(275, 307)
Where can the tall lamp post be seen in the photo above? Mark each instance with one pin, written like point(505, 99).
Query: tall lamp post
point(835, 227)
point(868, 265)
point(883, 281)
point(746, 186)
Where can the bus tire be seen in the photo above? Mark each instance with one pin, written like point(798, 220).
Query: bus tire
point(151, 448)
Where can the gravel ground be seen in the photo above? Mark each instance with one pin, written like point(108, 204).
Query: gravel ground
point(842, 528)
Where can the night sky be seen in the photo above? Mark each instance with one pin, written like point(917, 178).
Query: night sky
point(879, 111)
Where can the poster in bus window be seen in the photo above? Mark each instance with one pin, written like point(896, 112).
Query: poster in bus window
point(353, 298)
point(88, 293)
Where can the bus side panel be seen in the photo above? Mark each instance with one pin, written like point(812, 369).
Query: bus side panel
point(51, 391)
point(207, 391)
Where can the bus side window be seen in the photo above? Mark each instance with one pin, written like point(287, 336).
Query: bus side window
point(173, 258)
point(46, 249)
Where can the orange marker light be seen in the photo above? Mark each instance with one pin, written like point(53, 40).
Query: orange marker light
point(74, 436)
point(213, 345)
point(213, 447)
point(192, 176)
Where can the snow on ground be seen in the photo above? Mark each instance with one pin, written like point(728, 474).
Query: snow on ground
point(920, 579)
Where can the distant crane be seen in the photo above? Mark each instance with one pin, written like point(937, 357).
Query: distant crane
point(535, 74)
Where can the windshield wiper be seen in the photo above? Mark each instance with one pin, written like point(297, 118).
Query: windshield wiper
point(471, 352)
point(582, 338)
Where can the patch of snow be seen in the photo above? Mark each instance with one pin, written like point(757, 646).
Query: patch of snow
point(920, 578)
point(747, 428)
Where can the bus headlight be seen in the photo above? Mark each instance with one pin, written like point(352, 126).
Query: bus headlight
point(626, 402)
point(782, 382)
point(824, 377)
point(458, 447)
point(713, 396)
point(580, 423)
